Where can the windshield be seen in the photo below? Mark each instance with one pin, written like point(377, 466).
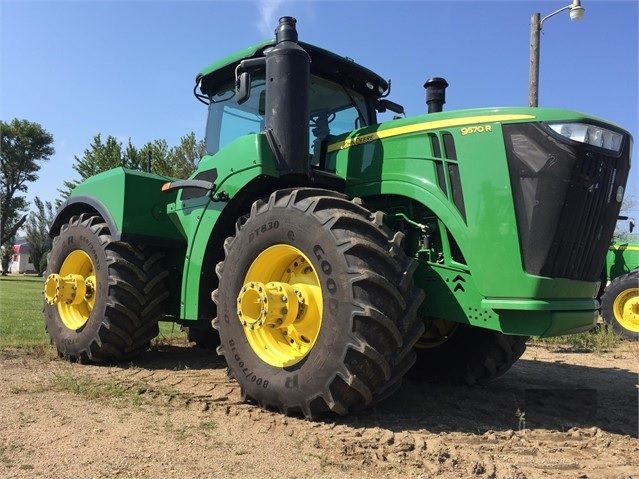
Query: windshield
point(333, 110)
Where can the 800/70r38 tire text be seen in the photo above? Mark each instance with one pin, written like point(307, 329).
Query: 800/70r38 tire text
point(316, 304)
point(102, 298)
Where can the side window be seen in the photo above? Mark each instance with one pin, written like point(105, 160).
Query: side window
point(227, 120)
point(238, 122)
point(334, 111)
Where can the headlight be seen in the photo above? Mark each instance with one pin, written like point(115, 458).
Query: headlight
point(590, 134)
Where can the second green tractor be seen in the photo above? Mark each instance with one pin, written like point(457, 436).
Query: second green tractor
point(619, 293)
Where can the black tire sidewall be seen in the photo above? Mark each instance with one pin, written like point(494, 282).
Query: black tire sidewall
point(459, 359)
point(453, 353)
point(77, 236)
point(313, 373)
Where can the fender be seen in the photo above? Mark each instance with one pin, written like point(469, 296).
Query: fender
point(131, 202)
point(77, 205)
point(245, 172)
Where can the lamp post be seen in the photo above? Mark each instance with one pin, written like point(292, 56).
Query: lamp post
point(576, 13)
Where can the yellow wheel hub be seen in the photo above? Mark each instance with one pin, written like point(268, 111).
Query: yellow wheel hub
point(626, 309)
point(72, 290)
point(437, 332)
point(280, 305)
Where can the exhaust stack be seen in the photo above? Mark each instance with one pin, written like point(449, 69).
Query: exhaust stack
point(287, 92)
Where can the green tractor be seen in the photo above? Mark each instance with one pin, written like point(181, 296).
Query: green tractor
point(619, 294)
point(335, 254)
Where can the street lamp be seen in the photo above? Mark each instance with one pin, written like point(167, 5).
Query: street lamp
point(576, 13)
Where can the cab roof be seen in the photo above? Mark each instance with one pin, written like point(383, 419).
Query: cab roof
point(324, 64)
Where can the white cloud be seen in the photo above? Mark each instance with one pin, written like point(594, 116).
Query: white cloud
point(270, 11)
point(268, 20)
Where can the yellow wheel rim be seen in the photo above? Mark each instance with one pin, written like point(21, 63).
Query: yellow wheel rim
point(280, 305)
point(437, 332)
point(626, 309)
point(72, 290)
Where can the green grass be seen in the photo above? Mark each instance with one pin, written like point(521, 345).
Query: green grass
point(21, 320)
point(207, 425)
point(599, 340)
point(87, 387)
point(90, 388)
point(169, 333)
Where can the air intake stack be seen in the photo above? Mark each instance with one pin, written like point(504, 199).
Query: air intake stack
point(435, 94)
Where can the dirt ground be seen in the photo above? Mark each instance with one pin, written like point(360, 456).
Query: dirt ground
point(174, 414)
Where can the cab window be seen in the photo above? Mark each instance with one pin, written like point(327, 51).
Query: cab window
point(333, 110)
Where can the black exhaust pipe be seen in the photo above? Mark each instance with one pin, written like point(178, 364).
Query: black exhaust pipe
point(435, 94)
point(287, 90)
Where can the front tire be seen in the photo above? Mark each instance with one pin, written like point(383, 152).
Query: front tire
point(620, 305)
point(102, 298)
point(203, 335)
point(316, 304)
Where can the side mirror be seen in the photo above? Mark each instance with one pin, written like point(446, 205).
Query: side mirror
point(383, 105)
point(243, 87)
point(243, 80)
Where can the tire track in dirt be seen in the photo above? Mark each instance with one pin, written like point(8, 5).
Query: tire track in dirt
point(421, 431)
point(184, 377)
point(422, 428)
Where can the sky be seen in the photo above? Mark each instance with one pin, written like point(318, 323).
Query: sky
point(127, 68)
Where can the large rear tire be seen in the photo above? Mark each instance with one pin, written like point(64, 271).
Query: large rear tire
point(102, 298)
point(620, 305)
point(316, 304)
point(455, 353)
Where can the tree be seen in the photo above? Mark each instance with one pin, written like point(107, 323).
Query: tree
point(176, 162)
point(134, 158)
point(37, 232)
point(12, 220)
point(5, 257)
point(185, 156)
point(160, 160)
point(22, 145)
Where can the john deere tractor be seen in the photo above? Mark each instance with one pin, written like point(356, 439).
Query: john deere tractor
point(333, 253)
point(619, 292)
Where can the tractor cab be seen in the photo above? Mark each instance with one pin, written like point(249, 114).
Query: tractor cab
point(343, 96)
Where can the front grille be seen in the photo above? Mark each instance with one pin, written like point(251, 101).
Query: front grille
point(565, 200)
